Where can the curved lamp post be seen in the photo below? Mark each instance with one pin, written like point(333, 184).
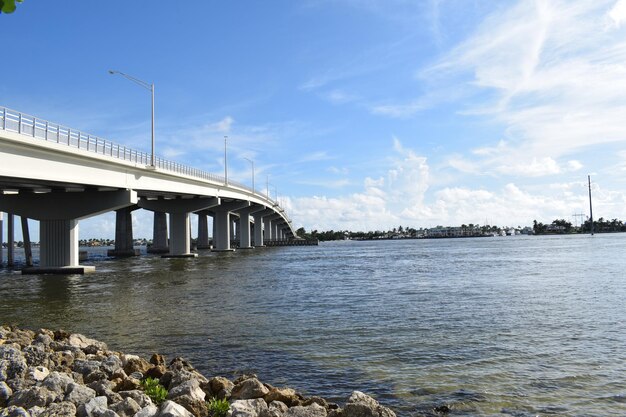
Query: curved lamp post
point(147, 86)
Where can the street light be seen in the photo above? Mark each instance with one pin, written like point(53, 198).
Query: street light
point(225, 163)
point(148, 86)
point(252, 162)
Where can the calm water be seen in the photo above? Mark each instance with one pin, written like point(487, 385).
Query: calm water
point(518, 326)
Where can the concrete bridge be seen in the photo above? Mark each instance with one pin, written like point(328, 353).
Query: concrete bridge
point(58, 176)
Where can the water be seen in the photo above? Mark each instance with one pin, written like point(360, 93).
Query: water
point(517, 326)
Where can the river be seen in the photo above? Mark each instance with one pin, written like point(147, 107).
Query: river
point(517, 326)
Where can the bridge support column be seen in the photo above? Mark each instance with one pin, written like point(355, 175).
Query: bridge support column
point(179, 210)
point(245, 225)
point(159, 234)
point(124, 242)
point(203, 231)
point(59, 244)
point(10, 239)
point(258, 229)
point(267, 225)
point(223, 223)
point(28, 251)
point(180, 236)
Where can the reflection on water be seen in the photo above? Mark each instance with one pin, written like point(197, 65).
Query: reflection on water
point(518, 326)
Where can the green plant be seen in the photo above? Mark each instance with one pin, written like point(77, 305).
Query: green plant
point(218, 408)
point(154, 390)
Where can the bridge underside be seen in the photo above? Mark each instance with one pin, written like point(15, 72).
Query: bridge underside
point(59, 206)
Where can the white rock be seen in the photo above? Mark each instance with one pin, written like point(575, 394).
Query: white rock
point(171, 409)
point(39, 373)
point(148, 411)
point(248, 408)
point(313, 410)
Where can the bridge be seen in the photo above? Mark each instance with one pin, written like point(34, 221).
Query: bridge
point(58, 176)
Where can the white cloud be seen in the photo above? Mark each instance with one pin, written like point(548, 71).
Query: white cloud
point(618, 13)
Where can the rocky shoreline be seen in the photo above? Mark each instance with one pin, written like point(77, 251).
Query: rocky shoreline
point(47, 373)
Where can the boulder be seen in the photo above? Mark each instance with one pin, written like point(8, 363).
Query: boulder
point(111, 365)
point(249, 389)
point(362, 405)
point(85, 367)
point(136, 364)
point(82, 342)
point(31, 397)
point(79, 394)
point(38, 373)
point(148, 411)
point(126, 408)
point(13, 411)
point(92, 408)
point(248, 408)
point(158, 360)
point(57, 382)
point(5, 393)
point(284, 395)
point(190, 388)
point(171, 409)
point(313, 410)
point(62, 409)
point(12, 363)
point(220, 387)
point(195, 406)
point(140, 397)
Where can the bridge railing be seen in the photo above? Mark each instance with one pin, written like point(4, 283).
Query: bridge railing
point(25, 124)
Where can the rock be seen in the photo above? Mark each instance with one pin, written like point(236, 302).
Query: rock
point(95, 376)
point(179, 364)
point(21, 337)
point(12, 363)
point(94, 407)
point(316, 400)
point(248, 408)
point(105, 388)
point(285, 395)
point(158, 360)
point(126, 408)
point(156, 372)
point(5, 393)
point(43, 339)
point(62, 409)
point(80, 341)
point(139, 396)
point(85, 367)
point(183, 375)
point(31, 397)
point(111, 365)
point(275, 409)
point(220, 387)
point(61, 335)
point(57, 383)
point(129, 384)
point(313, 410)
point(79, 394)
point(148, 411)
point(14, 411)
point(35, 355)
point(61, 360)
point(362, 405)
point(136, 365)
point(39, 373)
point(171, 409)
point(195, 406)
point(249, 389)
point(190, 388)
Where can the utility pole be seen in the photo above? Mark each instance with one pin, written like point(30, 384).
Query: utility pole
point(578, 219)
point(590, 206)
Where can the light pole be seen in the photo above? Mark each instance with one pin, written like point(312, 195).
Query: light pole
point(225, 162)
point(252, 162)
point(148, 86)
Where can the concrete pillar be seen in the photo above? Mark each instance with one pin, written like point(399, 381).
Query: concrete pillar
point(214, 229)
point(28, 251)
point(159, 234)
point(59, 243)
point(203, 231)
point(274, 226)
point(180, 237)
point(267, 225)
point(221, 238)
point(10, 239)
point(237, 224)
point(233, 228)
point(258, 229)
point(244, 231)
point(124, 242)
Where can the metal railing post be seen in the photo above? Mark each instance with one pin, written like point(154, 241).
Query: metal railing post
point(19, 123)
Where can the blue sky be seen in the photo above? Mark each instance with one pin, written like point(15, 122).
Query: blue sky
point(363, 114)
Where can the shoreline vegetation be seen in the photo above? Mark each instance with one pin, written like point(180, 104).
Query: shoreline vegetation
point(48, 373)
point(556, 227)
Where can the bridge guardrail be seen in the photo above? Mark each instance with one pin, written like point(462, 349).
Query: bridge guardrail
point(25, 124)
